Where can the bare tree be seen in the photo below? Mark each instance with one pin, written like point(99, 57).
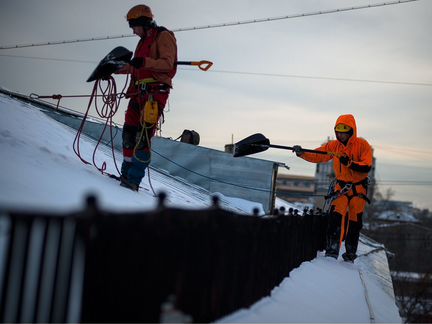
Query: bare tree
point(389, 194)
point(413, 297)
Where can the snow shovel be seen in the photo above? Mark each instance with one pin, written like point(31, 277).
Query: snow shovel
point(110, 63)
point(120, 56)
point(258, 143)
point(202, 65)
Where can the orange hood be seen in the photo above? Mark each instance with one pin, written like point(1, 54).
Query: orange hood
point(348, 120)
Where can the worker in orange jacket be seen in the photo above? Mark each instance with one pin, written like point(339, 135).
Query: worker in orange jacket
point(352, 161)
point(151, 72)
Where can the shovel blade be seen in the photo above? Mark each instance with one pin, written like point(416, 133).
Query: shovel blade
point(250, 145)
point(111, 63)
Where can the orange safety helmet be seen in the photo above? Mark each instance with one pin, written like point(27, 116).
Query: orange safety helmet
point(140, 15)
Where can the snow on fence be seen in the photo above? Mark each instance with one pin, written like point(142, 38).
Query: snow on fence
point(98, 266)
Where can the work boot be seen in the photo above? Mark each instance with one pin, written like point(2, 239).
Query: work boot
point(136, 170)
point(352, 238)
point(126, 165)
point(349, 257)
point(331, 254)
point(332, 249)
point(333, 235)
point(126, 184)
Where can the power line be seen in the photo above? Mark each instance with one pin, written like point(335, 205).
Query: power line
point(49, 59)
point(403, 150)
point(317, 13)
point(322, 78)
point(259, 74)
point(220, 25)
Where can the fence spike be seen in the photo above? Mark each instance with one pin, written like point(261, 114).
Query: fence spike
point(161, 199)
point(91, 202)
point(255, 211)
point(215, 201)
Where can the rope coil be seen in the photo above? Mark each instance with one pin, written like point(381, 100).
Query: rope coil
point(111, 102)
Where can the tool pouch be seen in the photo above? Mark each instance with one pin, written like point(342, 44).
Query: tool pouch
point(150, 113)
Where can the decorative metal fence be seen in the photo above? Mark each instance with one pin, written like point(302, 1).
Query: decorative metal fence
point(98, 266)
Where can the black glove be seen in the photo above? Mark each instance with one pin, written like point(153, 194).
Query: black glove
point(137, 62)
point(345, 160)
point(297, 149)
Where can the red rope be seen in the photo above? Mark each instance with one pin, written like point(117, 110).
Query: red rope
point(76, 142)
point(111, 102)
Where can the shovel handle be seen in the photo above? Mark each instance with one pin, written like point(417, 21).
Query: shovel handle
point(202, 65)
point(291, 148)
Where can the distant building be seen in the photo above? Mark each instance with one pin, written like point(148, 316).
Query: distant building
point(324, 175)
point(295, 188)
point(229, 148)
point(394, 211)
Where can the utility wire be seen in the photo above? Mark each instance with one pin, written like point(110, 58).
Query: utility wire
point(317, 13)
point(258, 74)
point(321, 78)
point(245, 22)
point(49, 59)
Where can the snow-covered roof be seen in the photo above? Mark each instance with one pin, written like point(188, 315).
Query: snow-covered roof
point(40, 170)
point(397, 216)
point(326, 290)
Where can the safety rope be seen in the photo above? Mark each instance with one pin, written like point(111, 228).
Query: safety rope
point(144, 131)
point(212, 178)
point(111, 101)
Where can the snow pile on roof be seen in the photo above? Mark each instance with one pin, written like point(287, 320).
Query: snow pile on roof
point(326, 290)
point(397, 216)
point(280, 203)
point(40, 170)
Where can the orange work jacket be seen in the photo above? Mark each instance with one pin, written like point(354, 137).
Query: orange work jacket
point(357, 148)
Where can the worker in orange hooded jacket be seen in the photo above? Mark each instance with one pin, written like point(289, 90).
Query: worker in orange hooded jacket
point(151, 72)
point(352, 161)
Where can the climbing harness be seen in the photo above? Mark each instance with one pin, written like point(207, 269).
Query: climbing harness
point(346, 189)
point(150, 85)
point(347, 186)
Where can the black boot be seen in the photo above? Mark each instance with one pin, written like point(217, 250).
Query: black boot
point(349, 257)
point(124, 176)
point(125, 169)
point(126, 184)
point(352, 238)
point(333, 235)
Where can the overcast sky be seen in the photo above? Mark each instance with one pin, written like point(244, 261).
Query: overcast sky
point(389, 43)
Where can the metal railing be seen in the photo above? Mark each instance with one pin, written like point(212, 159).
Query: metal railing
point(98, 266)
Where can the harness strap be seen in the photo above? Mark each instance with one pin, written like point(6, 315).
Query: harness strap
point(364, 182)
point(150, 85)
point(347, 186)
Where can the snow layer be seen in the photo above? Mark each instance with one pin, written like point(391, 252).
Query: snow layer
point(40, 170)
point(326, 290)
